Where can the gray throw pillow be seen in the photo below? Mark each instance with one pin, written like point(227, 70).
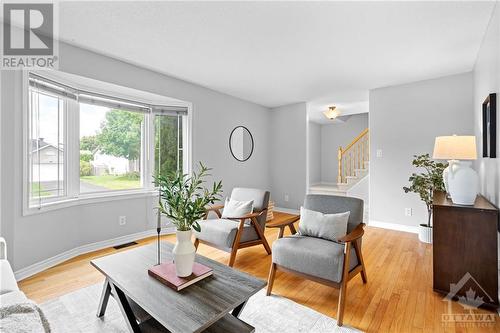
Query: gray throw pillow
point(326, 226)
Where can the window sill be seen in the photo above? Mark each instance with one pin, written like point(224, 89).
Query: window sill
point(87, 199)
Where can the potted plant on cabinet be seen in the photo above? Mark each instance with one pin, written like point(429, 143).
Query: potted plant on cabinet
point(424, 184)
point(183, 199)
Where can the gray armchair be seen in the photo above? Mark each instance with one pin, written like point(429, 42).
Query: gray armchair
point(236, 232)
point(322, 260)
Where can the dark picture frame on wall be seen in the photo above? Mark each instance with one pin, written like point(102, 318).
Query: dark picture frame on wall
point(490, 126)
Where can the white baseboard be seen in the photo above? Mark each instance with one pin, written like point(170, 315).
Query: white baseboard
point(38, 267)
point(393, 226)
point(286, 210)
point(324, 183)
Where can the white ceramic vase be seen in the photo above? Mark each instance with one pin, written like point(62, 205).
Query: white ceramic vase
point(184, 252)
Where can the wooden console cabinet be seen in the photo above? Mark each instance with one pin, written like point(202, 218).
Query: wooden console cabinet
point(465, 241)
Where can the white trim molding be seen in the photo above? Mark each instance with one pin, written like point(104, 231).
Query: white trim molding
point(393, 226)
point(87, 199)
point(38, 267)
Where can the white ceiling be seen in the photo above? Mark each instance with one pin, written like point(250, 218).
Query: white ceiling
point(284, 52)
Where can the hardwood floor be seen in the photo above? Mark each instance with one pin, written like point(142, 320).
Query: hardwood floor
point(397, 298)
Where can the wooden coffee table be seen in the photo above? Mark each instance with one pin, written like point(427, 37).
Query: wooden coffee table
point(210, 305)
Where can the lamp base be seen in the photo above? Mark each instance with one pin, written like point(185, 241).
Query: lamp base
point(446, 171)
point(463, 183)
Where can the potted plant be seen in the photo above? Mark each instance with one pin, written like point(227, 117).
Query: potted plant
point(424, 184)
point(183, 199)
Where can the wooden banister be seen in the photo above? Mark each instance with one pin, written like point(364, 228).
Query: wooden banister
point(353, 156)
point(356, 139)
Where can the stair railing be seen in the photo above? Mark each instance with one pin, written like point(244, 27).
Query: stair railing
point(353, 156)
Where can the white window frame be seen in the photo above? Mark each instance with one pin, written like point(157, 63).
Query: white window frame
point(72, 157)
point(65, 143)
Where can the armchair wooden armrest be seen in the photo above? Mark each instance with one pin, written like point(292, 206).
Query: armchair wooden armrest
point(357, 233)
point(215, 208)
point(247, 216)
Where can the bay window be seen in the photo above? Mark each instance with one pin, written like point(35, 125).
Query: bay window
point(83, 144)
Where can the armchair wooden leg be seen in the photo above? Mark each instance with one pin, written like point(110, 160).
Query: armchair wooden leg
point(196, 243)
point(236, 243)
point(233, 256)
point(266, 245)
point(340, 310)
point(261, 235)
point(270, 279)
point(343, 285)
point(361, 262)
point(363, 275)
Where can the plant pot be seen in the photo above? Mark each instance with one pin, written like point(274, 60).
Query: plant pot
point(425, 233)
point(184, 252)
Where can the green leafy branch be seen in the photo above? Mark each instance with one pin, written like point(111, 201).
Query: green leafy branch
point(184, 199)
point(424, 184)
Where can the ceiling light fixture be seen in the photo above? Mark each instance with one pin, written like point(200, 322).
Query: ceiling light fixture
point(331, 113)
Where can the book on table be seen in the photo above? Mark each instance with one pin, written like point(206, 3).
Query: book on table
point(165, 273)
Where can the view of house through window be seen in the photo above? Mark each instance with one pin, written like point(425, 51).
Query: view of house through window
point(110, 148)
point(84, 142)
point(46, 146)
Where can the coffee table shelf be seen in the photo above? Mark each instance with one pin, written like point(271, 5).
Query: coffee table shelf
point(227, 324)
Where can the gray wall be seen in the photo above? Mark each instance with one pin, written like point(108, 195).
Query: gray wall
point(486, 81)
point(287, 155)
point(37, 237)
point(404, 120)
point(332, 137)
point(314, 152)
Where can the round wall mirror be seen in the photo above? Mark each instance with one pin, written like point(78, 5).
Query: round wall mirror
point(241, 143)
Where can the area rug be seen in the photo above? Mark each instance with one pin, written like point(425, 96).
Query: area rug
point(76, 312)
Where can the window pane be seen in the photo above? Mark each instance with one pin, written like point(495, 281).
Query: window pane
point(46, 147)
point(168, 141)
point(110, 149)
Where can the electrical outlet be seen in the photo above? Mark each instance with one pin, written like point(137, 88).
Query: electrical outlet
point(122, 220)
point(287, 198)
point(408, 212)
point(379, 153)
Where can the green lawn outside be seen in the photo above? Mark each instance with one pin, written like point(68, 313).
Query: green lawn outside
point(112, 182)
point(37, 190)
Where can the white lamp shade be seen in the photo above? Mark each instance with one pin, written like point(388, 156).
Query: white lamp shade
point(455, 147)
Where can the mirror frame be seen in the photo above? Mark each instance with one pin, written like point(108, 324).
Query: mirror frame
point(251, 138)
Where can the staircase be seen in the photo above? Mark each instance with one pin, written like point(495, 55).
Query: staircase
point(353, 172)
point(341, 188)
point(353, 166)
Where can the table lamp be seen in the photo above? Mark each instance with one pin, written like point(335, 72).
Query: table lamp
point(460, 180)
